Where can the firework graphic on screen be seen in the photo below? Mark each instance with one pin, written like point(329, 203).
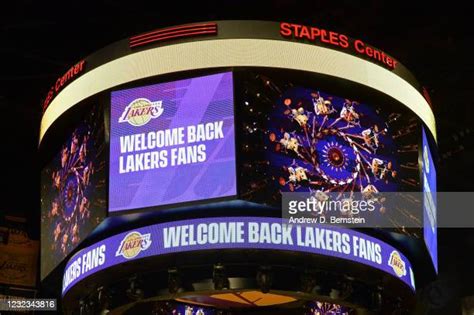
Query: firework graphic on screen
point(324, 308)
point(174, 308)
point(191, 310)
point(299, 138)
point(327, 143)
point(73, 187)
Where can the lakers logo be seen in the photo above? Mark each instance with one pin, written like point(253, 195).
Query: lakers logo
point(132, 244)
point(398, 265)
point(140, 111)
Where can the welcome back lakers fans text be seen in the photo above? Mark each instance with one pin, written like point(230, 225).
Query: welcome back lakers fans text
point(169, 147)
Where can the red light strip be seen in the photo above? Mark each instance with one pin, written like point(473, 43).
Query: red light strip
point(178, 32)
point(175, 32)
point(172, 36)
point(165, 30)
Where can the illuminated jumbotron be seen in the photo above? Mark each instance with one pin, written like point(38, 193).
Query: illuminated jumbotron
point(166, 156)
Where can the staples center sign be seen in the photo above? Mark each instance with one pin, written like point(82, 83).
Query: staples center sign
point(62, 81)
point(319, 35)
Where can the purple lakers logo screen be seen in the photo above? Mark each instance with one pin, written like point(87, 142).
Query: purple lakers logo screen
point(172, 143)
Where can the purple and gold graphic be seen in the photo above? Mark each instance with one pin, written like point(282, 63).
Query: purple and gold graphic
point(172, 143)
point(73, 191)
point(240, 233)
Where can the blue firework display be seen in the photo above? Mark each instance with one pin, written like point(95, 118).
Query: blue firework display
point(73, 191)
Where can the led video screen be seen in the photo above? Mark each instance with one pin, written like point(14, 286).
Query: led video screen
point(301, 134)
point(73, 191)
point(430, 223)
point(172, 143)
point(325, 308)
point(230, 233)
point(185, 309)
